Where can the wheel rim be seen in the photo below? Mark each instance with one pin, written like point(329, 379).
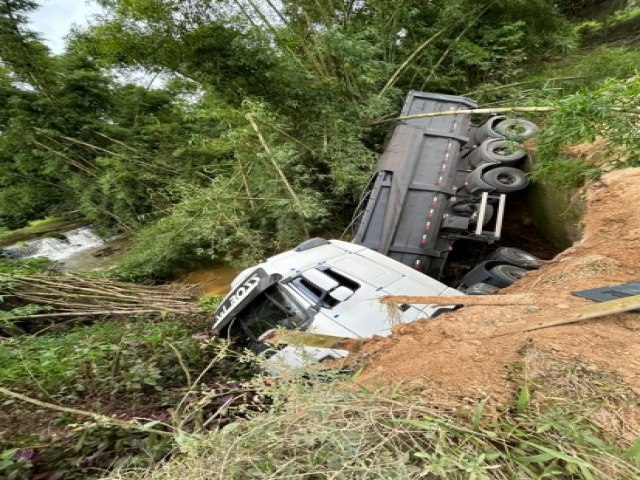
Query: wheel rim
point(506, 179)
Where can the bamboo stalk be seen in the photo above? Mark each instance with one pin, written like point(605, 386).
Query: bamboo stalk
point(90, 313)
point(407, 62)
point(516, 84)
point(74, 411)
point(267, 149)
point(492, 111)
point(468, 300)
point(66, 157)
point(76, 296)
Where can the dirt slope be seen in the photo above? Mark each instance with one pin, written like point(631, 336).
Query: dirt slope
point(456, 354)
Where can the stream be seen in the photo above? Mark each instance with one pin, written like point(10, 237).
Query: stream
point(58, 248)
point(81, 249)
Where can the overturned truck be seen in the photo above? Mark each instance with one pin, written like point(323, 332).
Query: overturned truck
point(441, 179)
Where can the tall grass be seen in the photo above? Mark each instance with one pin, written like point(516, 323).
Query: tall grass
point(337, 430)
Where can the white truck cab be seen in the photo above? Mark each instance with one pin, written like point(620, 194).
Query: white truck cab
point(326, 288)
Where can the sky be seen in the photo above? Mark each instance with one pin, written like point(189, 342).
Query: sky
point(54, 19)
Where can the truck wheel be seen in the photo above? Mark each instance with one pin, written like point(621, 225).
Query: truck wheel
point(518, 257)
point(506, 179)
point(516, 129)
point(507, 273)
point(499, 150)
point(481, 289)
point(488, 129)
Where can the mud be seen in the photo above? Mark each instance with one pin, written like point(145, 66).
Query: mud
point(459, 355)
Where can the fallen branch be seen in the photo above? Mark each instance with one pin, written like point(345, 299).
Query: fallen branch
point(467, 300)
point(585, 312)
point(490, 111)
point(96, 416)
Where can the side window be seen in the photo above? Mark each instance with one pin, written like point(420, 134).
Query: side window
point(308, 289)
point(316, 295)
point(342, 280)
point(271, 309)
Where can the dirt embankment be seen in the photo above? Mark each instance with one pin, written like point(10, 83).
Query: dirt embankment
point(459, 356)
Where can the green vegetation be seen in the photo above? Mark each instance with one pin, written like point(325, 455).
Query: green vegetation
point(336, 430)
point(119, 369)
point(267, 128)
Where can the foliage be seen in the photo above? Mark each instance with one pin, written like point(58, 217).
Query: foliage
point(158, 371)
point(109, 358)
point(585, 117)
point(333, 430)
point(11, 308)
point(11, 266)
point(263, 132)
point(207, 304)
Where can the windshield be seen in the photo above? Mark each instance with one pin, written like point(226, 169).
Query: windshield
point(271, 309)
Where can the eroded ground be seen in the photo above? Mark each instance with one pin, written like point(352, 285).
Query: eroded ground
point(459, 357)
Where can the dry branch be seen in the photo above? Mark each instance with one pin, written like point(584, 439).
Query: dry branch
point(468, 300)
point(104, 419)
point(72, 295)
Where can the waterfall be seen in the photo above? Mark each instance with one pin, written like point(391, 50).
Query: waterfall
point(57, 249)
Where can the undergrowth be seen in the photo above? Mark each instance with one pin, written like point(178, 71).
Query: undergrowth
point(324, 430)
point(149, 377)
point(595, 93)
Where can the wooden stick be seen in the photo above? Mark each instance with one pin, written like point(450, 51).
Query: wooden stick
point(468, 300)
point(585, 312)
point(493, 110)
point(96, 416)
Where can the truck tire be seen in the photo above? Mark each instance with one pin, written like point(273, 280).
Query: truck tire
point(492, 150)
point(507, 273)
point(517, 257)
point(481, 289)
point(517, 129)
point(488, 129)
point(506, 179)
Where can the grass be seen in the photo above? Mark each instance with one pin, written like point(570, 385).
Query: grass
point(126, 370)
point(321, 430)
point(585, 88)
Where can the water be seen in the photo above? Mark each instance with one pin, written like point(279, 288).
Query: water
point(214, 280)
point(57, 249)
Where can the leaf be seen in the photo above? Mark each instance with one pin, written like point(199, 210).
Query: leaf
point(539, 458)
point(524, 399)
point(8, 454)
point(560, 455)
point(183, 439)
point(633, 453)
point(477, 413)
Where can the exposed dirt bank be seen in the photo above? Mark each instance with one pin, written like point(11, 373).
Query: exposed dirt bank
point(457, 354)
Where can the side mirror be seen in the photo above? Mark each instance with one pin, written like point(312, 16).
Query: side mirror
point(341, 294)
